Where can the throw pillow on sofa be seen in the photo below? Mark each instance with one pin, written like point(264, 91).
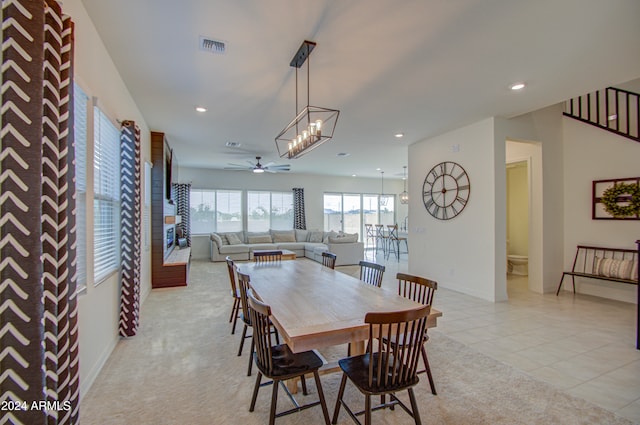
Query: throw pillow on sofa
point(233, 239)
point(283, 236)
point(328, 235)
point(315, 237)
point(344, 238)
point(254, 239)
point(302, 235)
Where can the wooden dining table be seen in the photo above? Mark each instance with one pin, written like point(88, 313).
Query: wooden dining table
point(314, 306)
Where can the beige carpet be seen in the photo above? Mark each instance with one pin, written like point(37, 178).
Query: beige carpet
point(182, 368)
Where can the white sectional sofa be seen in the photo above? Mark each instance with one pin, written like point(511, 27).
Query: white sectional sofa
point(305, 243)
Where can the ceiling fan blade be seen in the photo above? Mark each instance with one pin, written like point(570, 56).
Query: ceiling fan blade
point(238, 165)
point(280, 167)
point(269, 171)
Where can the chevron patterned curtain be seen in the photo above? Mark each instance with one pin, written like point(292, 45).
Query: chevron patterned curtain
point(183, 198)
point(38, 305)
point(299, 220)
point(130, 225)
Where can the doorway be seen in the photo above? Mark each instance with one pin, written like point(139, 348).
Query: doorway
point(517, 225)
point(524, 160)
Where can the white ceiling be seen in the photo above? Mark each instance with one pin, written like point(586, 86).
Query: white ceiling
point(421, 67)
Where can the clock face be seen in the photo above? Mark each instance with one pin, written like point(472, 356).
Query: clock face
point(446, 190)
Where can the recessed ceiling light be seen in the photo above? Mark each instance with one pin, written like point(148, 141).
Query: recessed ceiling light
point(353, 175)
point(399, 135)
point(201, 109)
point(517, 86)
point(378, 169)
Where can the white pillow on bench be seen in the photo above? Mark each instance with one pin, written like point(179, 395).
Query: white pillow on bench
point(619, 269)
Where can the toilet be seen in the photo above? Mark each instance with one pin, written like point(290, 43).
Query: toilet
point(517, 264)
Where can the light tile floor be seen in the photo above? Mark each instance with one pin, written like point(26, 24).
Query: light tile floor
point(581, 344)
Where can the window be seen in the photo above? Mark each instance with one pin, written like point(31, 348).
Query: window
point(80, 102)
point(215, 211)
point(349, 212)
point(269, 210)
point(229, 210)
point(106, 202)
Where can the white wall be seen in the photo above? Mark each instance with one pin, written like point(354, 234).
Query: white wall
point(458, 253)
point(542, 128)
point(595, 154)
point(468, 253)
point(99, 305)
point(314, 188)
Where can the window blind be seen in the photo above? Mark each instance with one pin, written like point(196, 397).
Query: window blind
point(80, 100)
point(106, 203)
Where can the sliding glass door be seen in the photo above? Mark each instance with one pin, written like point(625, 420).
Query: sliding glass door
point(348, 212)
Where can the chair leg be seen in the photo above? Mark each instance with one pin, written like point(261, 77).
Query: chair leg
point(255, 392)
point(323, 402)
point(244, 334)
point(414, 407)
point(233, 309)
point(274, 402)
point(336, 411)
point(428, 369)
point(253, 346)
point(234, 312)
point(367, 409)
point(304, 385)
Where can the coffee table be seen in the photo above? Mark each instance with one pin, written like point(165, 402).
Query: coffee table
point(286, 254)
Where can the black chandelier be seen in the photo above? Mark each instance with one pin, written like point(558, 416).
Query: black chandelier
point(313, 125)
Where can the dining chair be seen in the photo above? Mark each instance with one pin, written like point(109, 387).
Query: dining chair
point(244, 283)
point(329, 259)
point(279, 363)
point(421, 290)
point(386, 368)
point(371, 273)
point(267, 256)
point(235, 293)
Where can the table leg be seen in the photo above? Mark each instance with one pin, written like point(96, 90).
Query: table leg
point(292, 385)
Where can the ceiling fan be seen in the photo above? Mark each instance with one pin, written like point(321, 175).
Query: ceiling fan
point(258, 167)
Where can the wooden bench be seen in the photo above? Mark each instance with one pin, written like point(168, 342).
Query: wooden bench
point(612, 264)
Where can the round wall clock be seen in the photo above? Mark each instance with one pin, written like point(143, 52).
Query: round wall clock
point(446, 190)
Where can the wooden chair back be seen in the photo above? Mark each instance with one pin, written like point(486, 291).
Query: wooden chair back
point(232, 276)
point(267, 256)
point(260, 313)
point(371, 273)
point(416, 288)
point(395, 365)
point(244, 282)
point(329, 259)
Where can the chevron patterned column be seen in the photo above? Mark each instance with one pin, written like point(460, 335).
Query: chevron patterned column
point(130, 224)
point(182, 192)
point(38, 312)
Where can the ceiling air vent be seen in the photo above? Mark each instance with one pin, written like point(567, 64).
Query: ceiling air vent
point(233, 144)
point(208, 44)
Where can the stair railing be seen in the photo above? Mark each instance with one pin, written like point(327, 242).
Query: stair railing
point(612, 109)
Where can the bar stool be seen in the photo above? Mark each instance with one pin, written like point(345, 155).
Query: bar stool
point(380, 238)
point(371, 235)
point(393, 241)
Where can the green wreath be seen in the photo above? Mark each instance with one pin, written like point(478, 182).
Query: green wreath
point(611, 195)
